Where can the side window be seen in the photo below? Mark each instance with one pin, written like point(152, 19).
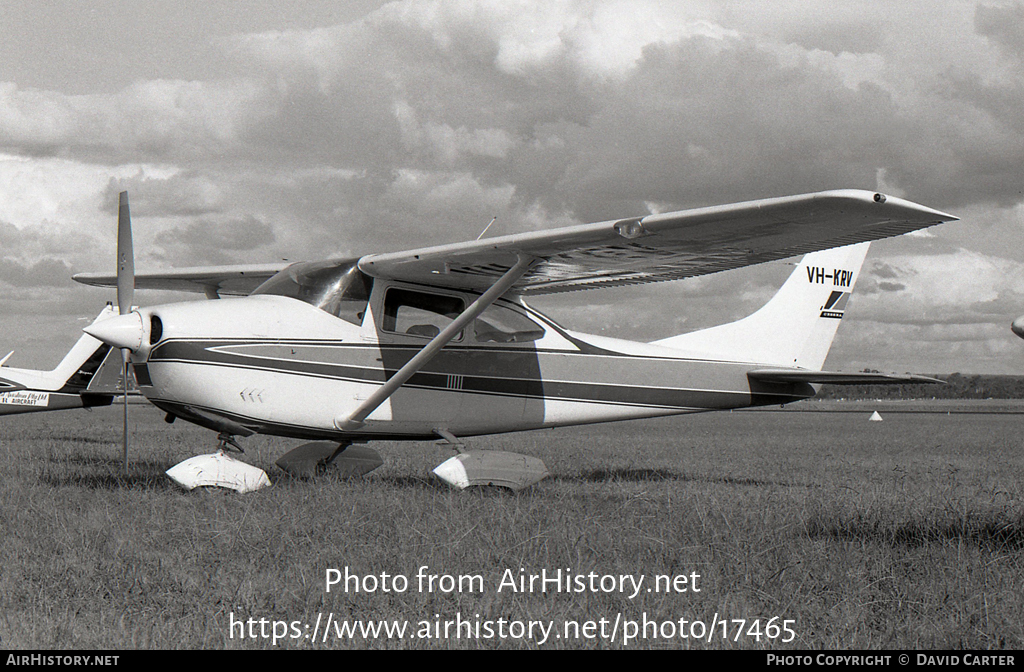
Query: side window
point(418, 313)
point(498, 324)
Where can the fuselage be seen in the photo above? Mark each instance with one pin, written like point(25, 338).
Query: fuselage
point(277, 364)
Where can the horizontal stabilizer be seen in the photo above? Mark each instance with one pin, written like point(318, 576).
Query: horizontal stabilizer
point(837, 377)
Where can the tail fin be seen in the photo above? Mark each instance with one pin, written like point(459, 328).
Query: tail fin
point(796, 327)
point(76, 373)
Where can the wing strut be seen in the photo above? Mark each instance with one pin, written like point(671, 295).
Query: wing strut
point(355, 420)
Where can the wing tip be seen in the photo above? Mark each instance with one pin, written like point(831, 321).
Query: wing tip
point(93, 279)
point(866, 196)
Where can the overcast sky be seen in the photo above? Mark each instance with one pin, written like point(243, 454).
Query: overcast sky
point(260, 130)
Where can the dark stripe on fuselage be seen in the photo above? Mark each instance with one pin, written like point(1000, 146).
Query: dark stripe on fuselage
point(489, 371)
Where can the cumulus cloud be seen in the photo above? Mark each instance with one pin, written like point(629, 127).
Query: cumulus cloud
point(421, 121)
point(590, 107)
point(1004, 24)
point(582, 107)
point(165, 193)
point(210, 242)
point(44, 273)
point(153, 120)
point(957, 287)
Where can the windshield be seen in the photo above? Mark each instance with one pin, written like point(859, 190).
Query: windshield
point(337, 287)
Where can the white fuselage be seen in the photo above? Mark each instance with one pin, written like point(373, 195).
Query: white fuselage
point(277, 365)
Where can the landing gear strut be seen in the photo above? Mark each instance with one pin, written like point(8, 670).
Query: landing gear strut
point(226, 442)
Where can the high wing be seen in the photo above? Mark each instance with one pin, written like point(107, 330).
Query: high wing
point(661, 247)
point(651, 248)
point(210, 280)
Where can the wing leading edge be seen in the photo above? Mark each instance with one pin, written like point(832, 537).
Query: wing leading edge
point(651, 248)
point(661, 247)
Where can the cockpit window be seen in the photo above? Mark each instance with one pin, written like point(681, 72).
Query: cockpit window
point(419, 313)
point(336, 287)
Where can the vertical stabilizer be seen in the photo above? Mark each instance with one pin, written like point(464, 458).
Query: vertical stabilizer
point(796, 327)
point(75, 371)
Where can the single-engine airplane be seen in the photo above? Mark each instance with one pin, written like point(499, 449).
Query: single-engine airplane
point(86, 377)
point(438, 341)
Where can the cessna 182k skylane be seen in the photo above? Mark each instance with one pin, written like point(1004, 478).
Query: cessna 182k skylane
point(437, 342)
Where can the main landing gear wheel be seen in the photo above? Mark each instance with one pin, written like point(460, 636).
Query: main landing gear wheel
point(495, 468)
point(218, 470)
point(319, 457)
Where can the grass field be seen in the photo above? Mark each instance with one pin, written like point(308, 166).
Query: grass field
point(907, 533)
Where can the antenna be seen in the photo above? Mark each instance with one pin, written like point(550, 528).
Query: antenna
point(493, 220)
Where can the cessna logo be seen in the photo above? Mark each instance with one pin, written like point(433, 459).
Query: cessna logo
point(835, 305)
point(837, 276)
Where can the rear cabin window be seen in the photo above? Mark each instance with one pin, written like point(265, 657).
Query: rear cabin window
point(419, 313)
point(499, 324)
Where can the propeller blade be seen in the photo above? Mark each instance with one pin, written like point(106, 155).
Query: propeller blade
point(124, 386)
point(125, 295)
point(125, 256)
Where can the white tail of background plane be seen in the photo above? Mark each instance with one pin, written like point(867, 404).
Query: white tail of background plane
point(87, 376)
point(796, 327)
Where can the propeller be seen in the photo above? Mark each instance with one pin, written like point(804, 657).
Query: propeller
point(125, 331)
point(1017, 327)
point(125, 294)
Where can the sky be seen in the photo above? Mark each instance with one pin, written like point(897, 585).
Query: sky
point(256, 131)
